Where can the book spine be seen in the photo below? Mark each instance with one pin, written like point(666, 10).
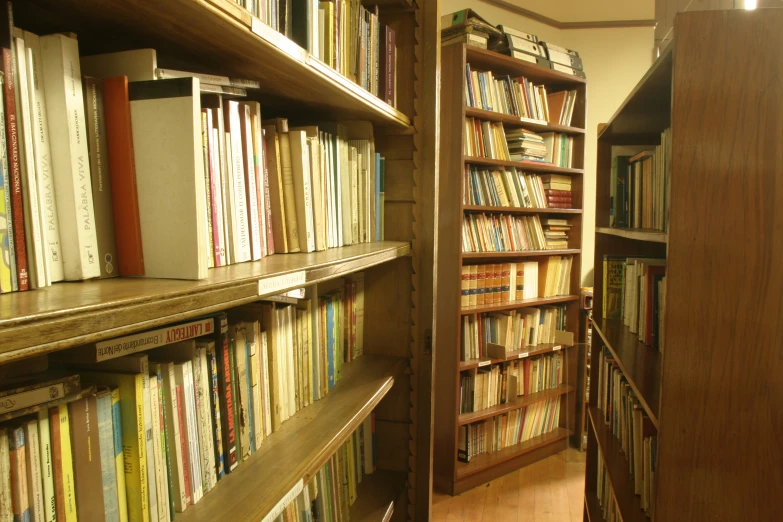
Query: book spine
point(228, 428)
point(184, 450)
point(99, 174)
point(240, 235)
point(261, 202)
point(177, 496)
point(158, 470)
point(12, 137)
point(47, 469)
point(215, 404)
point(164, 443)
point(205, 420)
point(236, 387)
point(191, 420)
point(215, 192)
point(200, 432)
point(108, 463)
point(48, 203)
point(65, 107)
point(270, 236)
point(69, 491)
point(289, 198)
point(18, 463)
point(8, 276)
point(88, 484)
point(34, 486)
point(146, 441)
point(57, 465)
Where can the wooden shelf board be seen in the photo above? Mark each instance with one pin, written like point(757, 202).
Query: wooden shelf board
point(617, 470)
point(593, 508)
point(522, 253)
point(640, 364)
point(511, 305)
point(224, 39)
point(488, 460)
point(527, 166)
point(529, 351)
point(516, 121)
point(302, 444)
point(521, 402)
point(517, 210)
point(69, 314)
point(482, 59)
point(376, 495)
point(639, 234)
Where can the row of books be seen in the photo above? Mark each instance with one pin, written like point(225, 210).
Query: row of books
point(485, 139)
point(606, 499)
point(482, 388)
point(639, 188)
point(498, 334)
point(343, 34)
point(230, 186)
point(634, 291)
point(501, 233)
point(514, 188)
point(631, 426)
point(508, 430)
point(492, 284)
point(518, 97)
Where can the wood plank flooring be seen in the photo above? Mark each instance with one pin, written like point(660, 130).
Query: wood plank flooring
point(551, 490)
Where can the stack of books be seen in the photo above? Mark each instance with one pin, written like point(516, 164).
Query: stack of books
point(557, 189)
point(508, 430)
point(482, 388)
point(559, 149)
point(525, 145)
point(155, 424)
point(485, 139)
point(563, 60)
point(230, 186)
point(509, 187)
point(501, 233)
point(556, 233)
point(466, 27)
point(499, 283)
point(639, 188)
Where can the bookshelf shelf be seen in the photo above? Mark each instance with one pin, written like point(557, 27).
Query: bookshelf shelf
point(515, 121)
point(521, 402)
point(482, 59)
point(620, 479)
point(302, 444)
point(518, 304)
point(521, 253)
point(640, 364)
point(511, 356)
point(487, 460)
point(517, 210)
point(225, 34)
point(66, 315)
point(639, 234)
point(377, 496)
point(528, 166)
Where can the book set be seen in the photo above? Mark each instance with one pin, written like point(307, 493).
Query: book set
point(511, 233)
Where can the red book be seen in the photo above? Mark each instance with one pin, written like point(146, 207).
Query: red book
point(559, 205)
point(270, 237)
point(124, 195)
point(559, 199)
point(552, 192)
point(12, 141)
point(386, 64)
point(57, 462)
point(184, 443)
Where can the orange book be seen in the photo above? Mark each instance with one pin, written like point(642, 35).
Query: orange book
point(505, 282)
point(473, 285)
point(465, 287)
point(122, 170)
point(481, 285)
point(496, 282)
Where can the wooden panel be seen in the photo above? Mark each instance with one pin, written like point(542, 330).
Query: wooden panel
point(301, 446)
point(386, 322)
point(69, 314)
point(376, 496)
point(721, 398)
point(398, 182)
point(639, 234)
point(392, 445)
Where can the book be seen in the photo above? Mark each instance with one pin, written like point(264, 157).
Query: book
point(215, 411)
point(226, 394)
point(119, 453)
point(33, 465)
point(175, 464)
point(183, 374)
point(238, 211)
point(105, 429)
point(23, 392)
point(85, 447)
point(57, 462)
point(302, 184)
point(158, 466)
point(166, 124)
point(204, 406)
point(65, 112)
point(18, 476)
point(6, 502)
point(67, 464)
point(8, 276)
point(47, 466)
point(273, 165)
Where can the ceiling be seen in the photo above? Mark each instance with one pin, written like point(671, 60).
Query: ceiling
point(590, 10)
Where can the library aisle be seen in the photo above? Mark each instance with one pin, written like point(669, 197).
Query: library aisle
point(550, 490)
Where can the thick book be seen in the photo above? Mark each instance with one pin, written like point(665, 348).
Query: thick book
point(23, 392)
point(289, 193)
point(105, 430)
point(273, 164)
point(70, 157)
point(88, 475)
point(166, 124)
point(122, 174)
point(100, 177)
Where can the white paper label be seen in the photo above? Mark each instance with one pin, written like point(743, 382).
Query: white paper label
point(484, 363)
point(276, 284)
point(523, 355)
point(556, 348)
point(283, 502)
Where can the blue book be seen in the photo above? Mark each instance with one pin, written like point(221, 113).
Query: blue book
point(378, 209)
point(330, 341)
point(483, 87)
point(469, 78)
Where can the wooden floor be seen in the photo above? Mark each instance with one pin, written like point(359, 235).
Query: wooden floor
point(551, 490)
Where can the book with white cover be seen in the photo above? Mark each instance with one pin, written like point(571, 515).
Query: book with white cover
point(251, 181)
point(166, 121)
point(239, 232)
point(70, 160)
point(46, 195)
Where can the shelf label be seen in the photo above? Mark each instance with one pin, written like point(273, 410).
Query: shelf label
point(276, 284)
point(283, 502)
point(523, 355)
point(484, 363)
point(556, 348)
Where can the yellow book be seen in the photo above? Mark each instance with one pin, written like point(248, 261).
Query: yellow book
point(351, 471)
point(118, 459)
point(131, 400)
point(327, 43)
point(69, 485)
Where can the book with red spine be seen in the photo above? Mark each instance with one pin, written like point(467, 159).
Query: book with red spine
point(270, 237)
point(185, 451)
point(57, 462)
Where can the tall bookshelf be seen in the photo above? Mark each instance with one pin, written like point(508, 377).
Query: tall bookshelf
point(393, 377)
point(709, 391)
point(451, 475)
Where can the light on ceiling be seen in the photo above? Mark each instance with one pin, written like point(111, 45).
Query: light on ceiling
point(750, 4)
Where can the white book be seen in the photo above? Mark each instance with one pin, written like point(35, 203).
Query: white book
point(251, 200)
point(173, 441)
point(185, 373)
point(353, 164)
point(198, 395)
point(326, 153)
point(35, 492)
point(237, 203)
point(262, 188)
point(265, 372)
point(216, 186)
point(148, 436)
point(166, 121)
point(70, 160)
point(290, 363)
point(161, 483)
point(47, 470)
point(138, 65)
point(205, 416)
point(344, 190)
point(34, 231)
point(300, 164)
point(253, 339)
point(46, 196)
point(530, 280)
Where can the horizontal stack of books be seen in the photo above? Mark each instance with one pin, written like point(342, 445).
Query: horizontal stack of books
point(635, 292)
point(556, 233)
point(467, 27)
point(631, 426)
point(639, 188)
point(171, 418)
point(230, 186)
point(496, 334)
point(485, 139)
point(525, 145)
point(344, 35)
point(513, 188)
point(501, 233)
point(482, 388)
point(557, 189)
point(507, 430)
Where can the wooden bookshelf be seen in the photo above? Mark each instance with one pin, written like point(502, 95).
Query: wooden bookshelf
point(450, 475)
point(393, 377)
point(722, 290)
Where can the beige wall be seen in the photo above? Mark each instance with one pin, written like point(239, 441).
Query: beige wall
point(614, 61)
